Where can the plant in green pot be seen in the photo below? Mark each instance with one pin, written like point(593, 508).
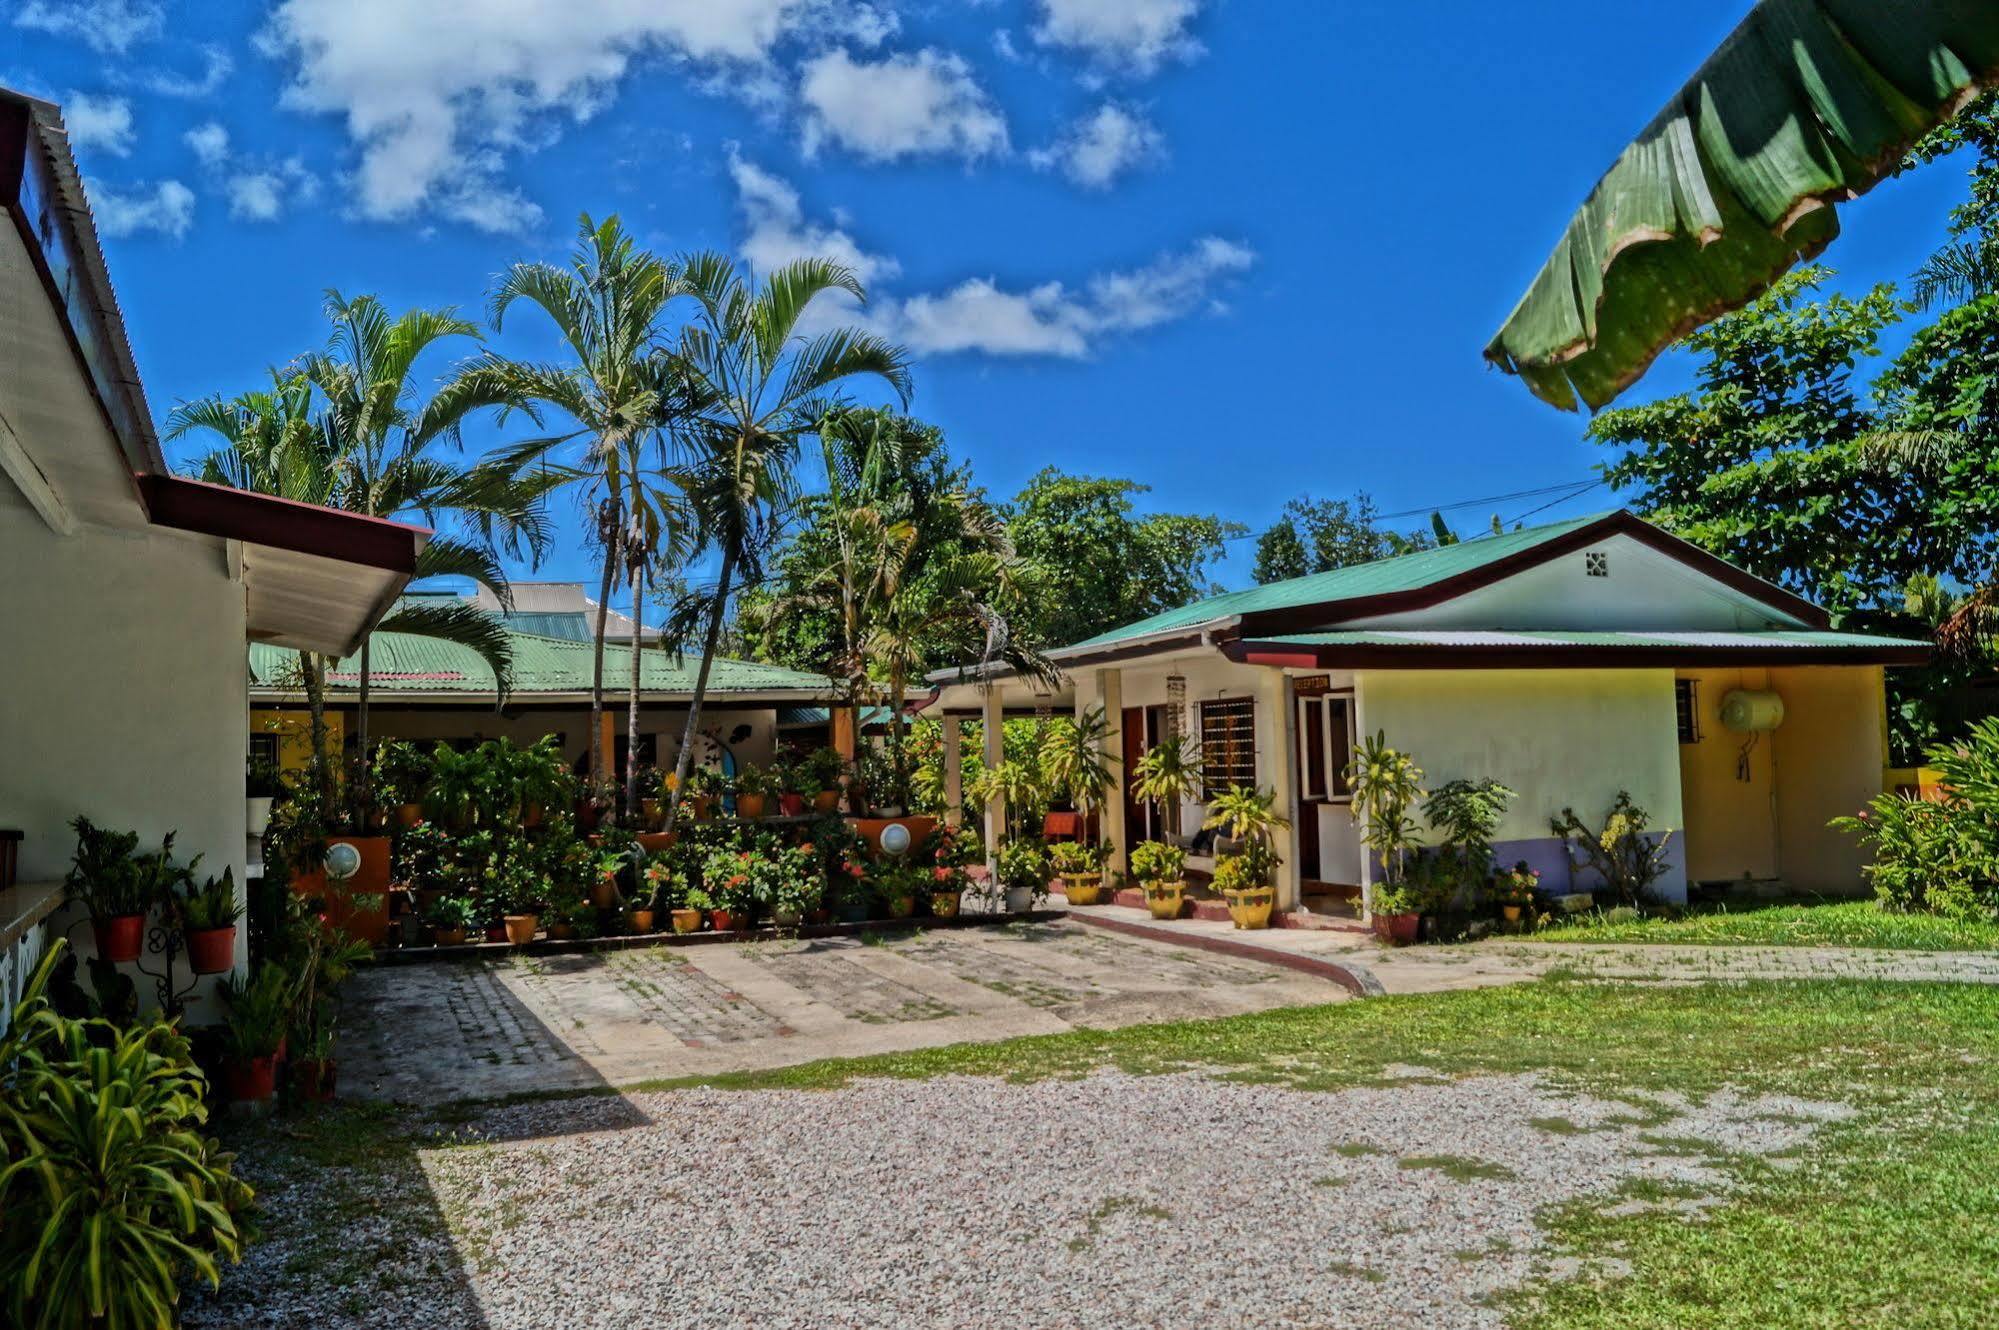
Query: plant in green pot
point(1161, 870)
point(207, 918)
point(1249, 817)
point(105, 875)
point(1023, 872)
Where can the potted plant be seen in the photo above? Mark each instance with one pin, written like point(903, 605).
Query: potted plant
point(794, 886)
point(656, 888)
point(727, 878)
point(705, 786)
point(953, 858)
point(819, 777)
point(897, 885)
point(261, 785)
point(450, 917)
point(259, 1012)
point(540, 778)
point(1169, 775)
point(1080, 865)
point(754, 786)
point(1250, 818)
point(207, 918)
point(1397, 914)
point(1160, 869)
point(607, 864)
point(1514, 890)
point(105, 875)
point(787, 782)
point(1023, 872)
point(523, 898)
point(693, 907)
point(571, 918)
point(400, 774)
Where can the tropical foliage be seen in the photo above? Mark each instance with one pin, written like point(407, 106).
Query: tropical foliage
point(1940, 854)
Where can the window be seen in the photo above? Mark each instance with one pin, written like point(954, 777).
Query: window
point(1596, 563)
point(1228, 744)
point(1325, 746)
point(264, 749)
point(1687, 709)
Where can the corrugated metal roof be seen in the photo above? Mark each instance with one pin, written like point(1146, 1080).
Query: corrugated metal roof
point(554, 599)
point(789, 717)
point(400, 662)
point(1403, 572)
point(1775, 637)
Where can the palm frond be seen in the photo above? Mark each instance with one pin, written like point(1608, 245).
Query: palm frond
point(463, 623)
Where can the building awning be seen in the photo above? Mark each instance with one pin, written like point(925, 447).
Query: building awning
point(315, 579)
point(1440, 649)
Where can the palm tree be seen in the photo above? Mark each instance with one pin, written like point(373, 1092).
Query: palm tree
point(619, 390)
point(381, 428)
point(755, 383)
point(1076, 758)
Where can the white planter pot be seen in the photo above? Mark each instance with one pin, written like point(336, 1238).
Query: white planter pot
point(1019, 899)
point(257, 808)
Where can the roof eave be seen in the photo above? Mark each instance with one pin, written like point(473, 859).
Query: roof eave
point(1427, 656)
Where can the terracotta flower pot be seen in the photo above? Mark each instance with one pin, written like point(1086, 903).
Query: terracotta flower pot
point(789, 804)
point(531, 815)
point(119, 936)
point(640, 920)
point(520, 928)
point(1511, 913)
point(604, 892)
point(652, 842)
point(700, 807)
point(1251, 909)
point(211, 950)
point(250, 1080)
point(448, 937)
point(313, 1079)
point(786, 916)
point(901, 907)
point(561, 932)
point(409, 814)
point(496, 932)
point(944, 904)
point(1397, 930)
point(649, 810)
point(826, 801)
point(1165, 899)
point(686, 921)
point(822, 915)
point(751, 805)
point(725, 921)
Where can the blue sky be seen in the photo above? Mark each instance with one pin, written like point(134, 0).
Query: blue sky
point(1235, 249)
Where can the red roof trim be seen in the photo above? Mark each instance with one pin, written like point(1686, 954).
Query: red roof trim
point(284, 524)
point(1303, 618)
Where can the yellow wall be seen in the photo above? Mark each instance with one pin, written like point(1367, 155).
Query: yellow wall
point(1731, 823)
point(294, 731)
point(1830, 753)
point(1558, 737)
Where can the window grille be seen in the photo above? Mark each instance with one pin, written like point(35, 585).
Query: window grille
point(1228, 744)
point(1596, 563)
point(1687, 710)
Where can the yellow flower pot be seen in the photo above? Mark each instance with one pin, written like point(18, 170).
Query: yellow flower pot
point(1251, 909)
point(1084, 888)
point(1163, 899)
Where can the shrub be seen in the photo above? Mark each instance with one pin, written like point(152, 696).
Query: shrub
point(1627, 860)
point(1940, 855)
point(1072, 858)
point(1237, 872)
point(1156, 861)
point(112, 1195)
point(1023, 863)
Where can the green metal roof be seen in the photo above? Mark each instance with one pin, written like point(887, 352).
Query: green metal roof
point(404, 663)
point(788, 717)
point(1402, 572)
point(1455, 639)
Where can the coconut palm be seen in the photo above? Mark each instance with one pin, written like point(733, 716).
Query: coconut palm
point(620, 391)
point(754, 383)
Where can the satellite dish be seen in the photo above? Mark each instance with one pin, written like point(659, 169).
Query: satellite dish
point(895, 839)
point(342, 861)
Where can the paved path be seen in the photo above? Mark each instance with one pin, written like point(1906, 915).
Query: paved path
point(1378, 969)
point(431, 1033)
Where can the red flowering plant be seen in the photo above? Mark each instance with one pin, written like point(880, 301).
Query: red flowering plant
point(729, 877)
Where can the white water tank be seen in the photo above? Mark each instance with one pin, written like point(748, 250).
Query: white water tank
point(1752, 711)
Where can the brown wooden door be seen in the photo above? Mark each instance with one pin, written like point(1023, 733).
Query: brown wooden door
point(1131, 737)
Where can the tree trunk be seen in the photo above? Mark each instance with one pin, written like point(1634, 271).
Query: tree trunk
point(600, 771)
point(632, 792)
point(318, 769)
point(684, 760)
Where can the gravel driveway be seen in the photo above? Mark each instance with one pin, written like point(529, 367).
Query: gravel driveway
point(1113, 1200)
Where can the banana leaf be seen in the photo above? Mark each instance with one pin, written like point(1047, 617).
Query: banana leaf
point(1807, 104)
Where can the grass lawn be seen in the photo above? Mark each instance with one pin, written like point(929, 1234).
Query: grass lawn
point(1797, 924)
point(1888, 1218)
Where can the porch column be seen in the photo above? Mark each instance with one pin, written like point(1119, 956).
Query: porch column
point(954, 771)
point(843, 718)
point(1273, 695)
point(994, 717)
point(1110, 692)
point(1366, 855)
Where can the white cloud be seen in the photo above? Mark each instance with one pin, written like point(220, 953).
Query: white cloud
point(900, 106)
point(266, 194)
point(166, 208)
point(109, 27)
point(1139, 35)
point(1101, 147)
point(776, 231)
point(437, 94)
point(210, 142)
point(104, 123)
point(979, 316)
point(215, 67)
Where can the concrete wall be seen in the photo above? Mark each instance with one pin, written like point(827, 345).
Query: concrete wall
point(1830, 751)
point(123, 679)
point(1557, 737)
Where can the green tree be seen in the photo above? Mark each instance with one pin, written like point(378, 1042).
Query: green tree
point(1095, 563)
point(1280, 554)
point(758, 386)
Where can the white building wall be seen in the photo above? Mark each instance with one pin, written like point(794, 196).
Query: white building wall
point(123, 690)
point(1559, 738)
